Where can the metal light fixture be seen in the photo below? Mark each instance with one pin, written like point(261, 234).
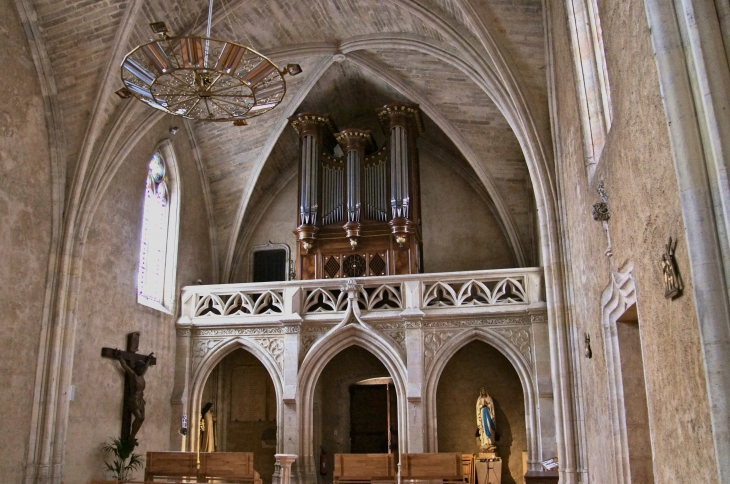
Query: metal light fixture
point(203, 78)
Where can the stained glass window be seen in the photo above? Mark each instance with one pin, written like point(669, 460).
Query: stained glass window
point(155, 220)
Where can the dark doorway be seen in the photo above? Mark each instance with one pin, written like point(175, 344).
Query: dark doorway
point(373, 417)
point(635, 404)
point(269, 265)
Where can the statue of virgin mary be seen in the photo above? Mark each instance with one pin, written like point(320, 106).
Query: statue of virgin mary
point(485, 421)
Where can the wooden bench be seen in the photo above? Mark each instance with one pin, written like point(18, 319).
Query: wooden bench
point(225, 467)
point(369, 468)
point(542, 477)
point(445, 467)
point(467, 462)
point(364, 468)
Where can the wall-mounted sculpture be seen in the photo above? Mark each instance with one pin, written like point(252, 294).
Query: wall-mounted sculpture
point(359, 214)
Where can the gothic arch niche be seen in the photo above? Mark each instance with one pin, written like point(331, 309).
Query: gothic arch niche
point(476, 365)
point(230, 374)
point(324, 351)
point(337, 393)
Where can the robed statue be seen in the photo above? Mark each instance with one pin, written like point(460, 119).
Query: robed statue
point(207, 429)
point(485, 421)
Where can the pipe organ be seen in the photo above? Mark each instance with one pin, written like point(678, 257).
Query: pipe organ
point(358, 213)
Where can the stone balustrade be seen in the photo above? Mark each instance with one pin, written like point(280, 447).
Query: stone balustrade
point(436, 294)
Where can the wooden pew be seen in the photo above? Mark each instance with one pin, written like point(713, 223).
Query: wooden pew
point(446, 467)
point(364, 468)
point(225, 467)
point(171, 467)
point(467, 462)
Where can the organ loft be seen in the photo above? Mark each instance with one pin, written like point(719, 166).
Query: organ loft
point(359, 213)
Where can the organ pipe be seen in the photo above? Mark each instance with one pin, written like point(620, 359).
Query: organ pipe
point(400, 199)
point(365, 201)
point(353, 186)
point(310, 176)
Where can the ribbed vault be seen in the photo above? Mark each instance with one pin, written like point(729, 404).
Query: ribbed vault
point(433, 53)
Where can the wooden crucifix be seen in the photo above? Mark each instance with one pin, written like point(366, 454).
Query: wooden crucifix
point(135, 366)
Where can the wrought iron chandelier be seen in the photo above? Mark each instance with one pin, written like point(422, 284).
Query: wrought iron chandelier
point(203, 78)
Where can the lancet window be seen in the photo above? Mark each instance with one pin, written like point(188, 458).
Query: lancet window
point(155, 275)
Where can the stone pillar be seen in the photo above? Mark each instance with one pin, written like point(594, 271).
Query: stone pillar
point(283, 466)
point(415, 413)
point(290, 424)
point(288, 429)
point(180, 391)
point(545, 399)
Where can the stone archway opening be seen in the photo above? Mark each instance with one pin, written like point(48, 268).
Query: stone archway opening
point(350, 408)
point(242, 402)
point(474, 366)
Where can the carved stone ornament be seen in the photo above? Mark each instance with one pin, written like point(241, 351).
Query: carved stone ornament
point(471, 323)
point(275, 347)
point(399, 337)
point(433, 341)
point(201, 348)
point(307, 342)
point(256, 331)
point(587, 346)
point(672, 279)
point(601, 212)
point(520, 338)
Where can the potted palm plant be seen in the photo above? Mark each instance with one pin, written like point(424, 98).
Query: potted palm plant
point(124, 461)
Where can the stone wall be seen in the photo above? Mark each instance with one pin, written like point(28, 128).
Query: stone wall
point(460, 231)
point(637, 169)
point(25, 237)
point(474, 366)
point(108, 308)
point(276, 226)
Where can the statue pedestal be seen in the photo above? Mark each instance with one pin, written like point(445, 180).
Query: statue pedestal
point(488, 468)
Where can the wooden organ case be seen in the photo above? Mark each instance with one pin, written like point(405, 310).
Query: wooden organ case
point(359, 214)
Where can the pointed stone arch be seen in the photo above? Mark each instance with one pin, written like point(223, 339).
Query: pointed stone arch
point(206, 366)
point(518, 361)
point(317, 358)
point(439, 50)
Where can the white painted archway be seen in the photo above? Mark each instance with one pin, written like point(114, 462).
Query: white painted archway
point(206, 366)
point(518, 362)
point(320, 354)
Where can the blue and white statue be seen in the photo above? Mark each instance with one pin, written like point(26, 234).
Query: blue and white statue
point(485, 421)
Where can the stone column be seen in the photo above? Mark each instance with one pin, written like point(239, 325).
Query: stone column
point(412, 318)
point(545, 398)
point(288, 430)
point(283, 465)
point(179, 398)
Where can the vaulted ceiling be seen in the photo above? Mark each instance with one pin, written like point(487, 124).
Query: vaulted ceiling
point(476, 67)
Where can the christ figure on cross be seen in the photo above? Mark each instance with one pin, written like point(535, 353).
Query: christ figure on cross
point(134, 400)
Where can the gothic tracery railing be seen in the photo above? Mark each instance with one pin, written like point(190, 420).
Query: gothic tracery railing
point(455, 291)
